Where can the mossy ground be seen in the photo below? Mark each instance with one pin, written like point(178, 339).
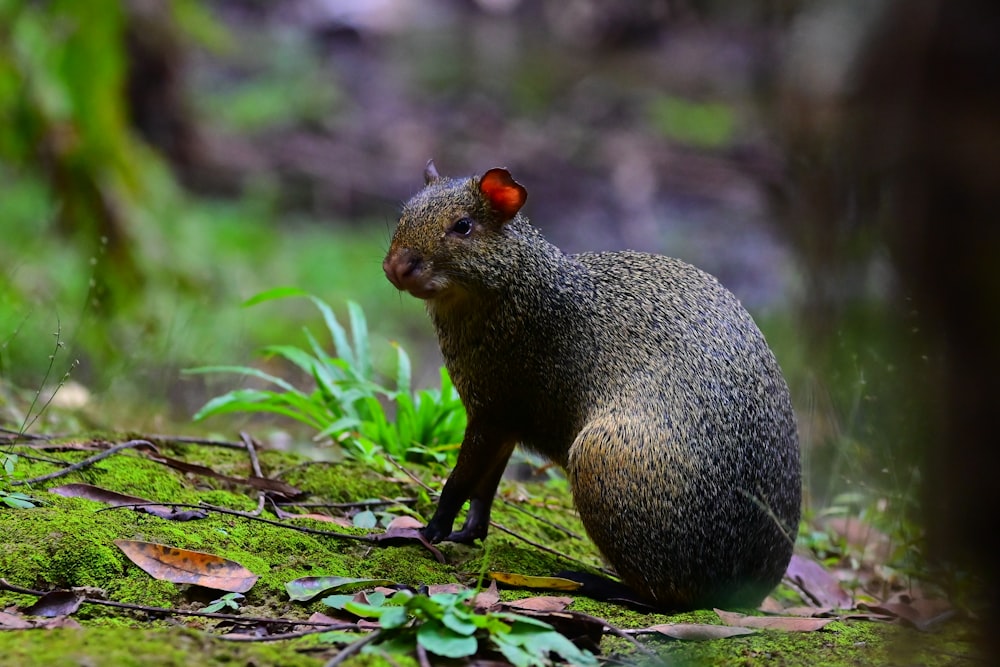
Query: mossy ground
point(67, 542)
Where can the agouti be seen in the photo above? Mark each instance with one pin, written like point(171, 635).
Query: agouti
point(640, 375)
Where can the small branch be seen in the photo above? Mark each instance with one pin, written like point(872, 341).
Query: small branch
point(131, 444)
point(352, 649)
point(188, 440)
point(16, 434)
point(255, 468)
point(359, 503)
point(7, 586)
point(562, 529)
point(287, 635)
point(409, 474)
point(252, 517)
point(545, 548)
point(618, 632)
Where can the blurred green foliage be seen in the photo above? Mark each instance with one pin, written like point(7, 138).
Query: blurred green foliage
point(699, 124)
point(347, 403)
point(99, 243)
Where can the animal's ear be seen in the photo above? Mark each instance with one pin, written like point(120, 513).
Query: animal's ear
point(430, 173)
point(505, 195)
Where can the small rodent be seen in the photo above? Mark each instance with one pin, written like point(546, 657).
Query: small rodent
point(639, 374)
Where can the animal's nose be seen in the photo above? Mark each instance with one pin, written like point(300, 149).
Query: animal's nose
point(400, 265)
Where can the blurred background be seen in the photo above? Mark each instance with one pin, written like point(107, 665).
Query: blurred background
point(835, 164)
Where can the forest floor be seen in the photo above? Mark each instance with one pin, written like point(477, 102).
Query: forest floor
point(270, 525)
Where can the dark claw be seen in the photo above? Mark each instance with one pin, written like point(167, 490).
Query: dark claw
point(467, 535)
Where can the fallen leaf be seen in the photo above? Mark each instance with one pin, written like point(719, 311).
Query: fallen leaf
point(317, 617)
point(56, 603)
point(541, 603)
point(272, 486)
point(700, 631)
point(60, 622)
point(804, 612)
point(770, 605)
point(528, 581)
point(181, 566)
point(485, 600)
point(820, 585)
point(364, 519)
point(115, 499)
point(404, 521)
point(398, 535)
point(446, 588)
point(787, 623)
point(9, 621)
point(304, 589)
point(922, 613)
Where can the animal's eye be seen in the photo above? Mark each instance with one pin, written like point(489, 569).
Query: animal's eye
point(462, 227)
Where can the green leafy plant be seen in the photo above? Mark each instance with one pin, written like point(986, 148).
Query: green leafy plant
point(231, 600)
point(347, 404)
point(446, 625)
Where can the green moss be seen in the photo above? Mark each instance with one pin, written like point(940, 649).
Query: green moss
point(70, 542)
point(411, 565)
point(101, 646)
point(341, 482)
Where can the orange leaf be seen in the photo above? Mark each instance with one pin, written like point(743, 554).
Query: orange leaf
point(181, 566)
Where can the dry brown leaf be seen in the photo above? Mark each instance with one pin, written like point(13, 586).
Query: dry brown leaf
point(446, 588)
point(787, 623)
point(272, 486)
point(405, 521)
point(699, 631)
point(540, 603)
point(804, 612)
point(820, 585)
point(402, 535)
point(55, 603)
point(115, 499)
point(181, 566)
point(9, 621)
point(317, 617)
point(486, 599)
point(921, 613)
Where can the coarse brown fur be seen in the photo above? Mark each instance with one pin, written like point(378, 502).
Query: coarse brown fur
point(639, 374)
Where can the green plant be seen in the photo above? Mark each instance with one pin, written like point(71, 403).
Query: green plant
point(347, 404)
point(231, 600)
point(446, 625)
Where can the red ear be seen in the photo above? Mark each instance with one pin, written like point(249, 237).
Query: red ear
point(506, 196)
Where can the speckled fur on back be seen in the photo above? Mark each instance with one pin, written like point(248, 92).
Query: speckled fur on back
point(639, 374)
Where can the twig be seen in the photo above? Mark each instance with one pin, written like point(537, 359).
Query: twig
point(27, 436)
point(287, 635)
point(352, 649)
point(618, 632)
point(6, 585)
point(548, 522)
point(255, 467)
point(545, 548)
point(422, 656)
point(409, 474)
point(252, 452)
point(131, 444)
point(190, 440)
point(359, 503)
point(248, 515)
